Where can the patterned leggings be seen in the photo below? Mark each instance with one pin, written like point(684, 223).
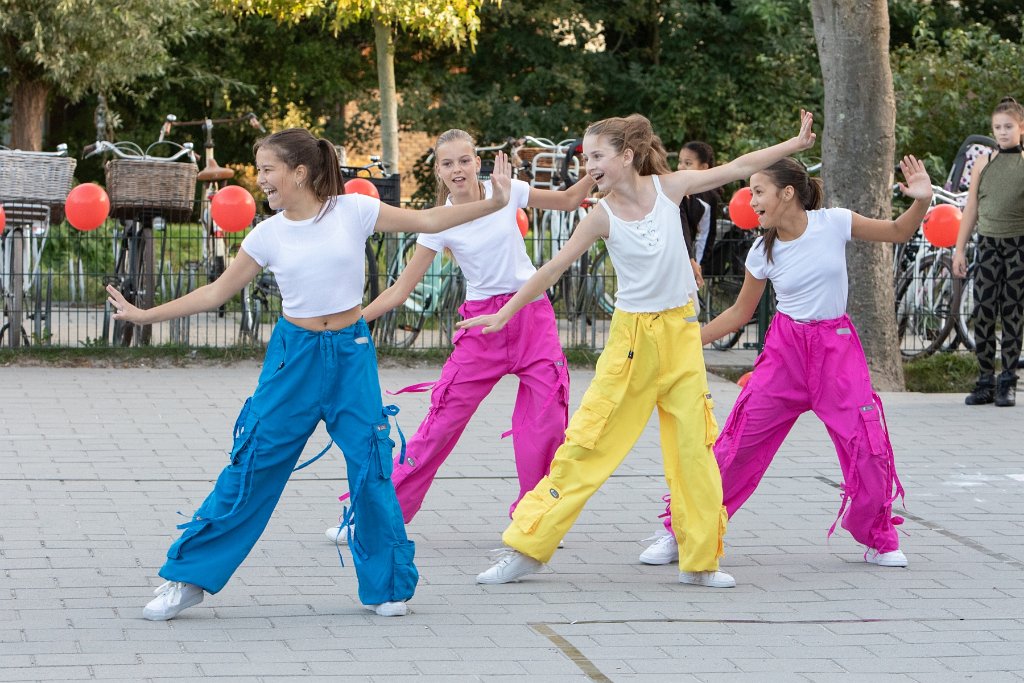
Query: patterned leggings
point(999, 293)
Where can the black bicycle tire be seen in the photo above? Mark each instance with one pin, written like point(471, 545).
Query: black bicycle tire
point(403, 318)
point(570, 153)
point(941, 333)
point(16, 312)
point(604, 300)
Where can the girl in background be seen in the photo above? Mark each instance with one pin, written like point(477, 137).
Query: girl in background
point(995, 205)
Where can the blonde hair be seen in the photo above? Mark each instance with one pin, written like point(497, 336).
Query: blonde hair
point(636, 134)
point(450, 135)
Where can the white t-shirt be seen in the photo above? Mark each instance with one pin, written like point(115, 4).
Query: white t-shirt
point(652, 267)
point(489, 250)
point(319, 265)
point(809, 273)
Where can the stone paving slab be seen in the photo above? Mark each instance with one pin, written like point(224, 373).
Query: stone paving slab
point(95, 463)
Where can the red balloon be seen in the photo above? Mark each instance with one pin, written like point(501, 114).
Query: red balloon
point(233, 208)
point(523, 221)
point(3, 218)
point(742, 381)
point(87, 206)
point(941, 225)
point(740, 212)
point(362, 186)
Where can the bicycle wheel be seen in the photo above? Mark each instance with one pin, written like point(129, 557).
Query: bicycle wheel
point(965, 308)
point(718, 294)
point(402, 325)
point(925, 305)
point(14, 332)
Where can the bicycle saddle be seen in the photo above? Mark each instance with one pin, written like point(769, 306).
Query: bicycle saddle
point(214, 171)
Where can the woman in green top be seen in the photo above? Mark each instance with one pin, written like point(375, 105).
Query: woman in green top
point(995, 204)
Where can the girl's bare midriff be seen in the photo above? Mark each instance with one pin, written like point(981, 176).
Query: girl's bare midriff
point(333, 321)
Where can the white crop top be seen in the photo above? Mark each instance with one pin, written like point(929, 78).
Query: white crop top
point(651, 264)
point(319, 265)
point(489, 250)
point(809, 273)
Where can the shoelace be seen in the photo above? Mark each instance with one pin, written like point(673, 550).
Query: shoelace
point(505, 555)
point(660, 539)
point(170, 587)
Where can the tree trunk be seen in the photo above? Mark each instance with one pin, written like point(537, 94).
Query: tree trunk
point(385, 46)
point(858, 148)
point(28, 114)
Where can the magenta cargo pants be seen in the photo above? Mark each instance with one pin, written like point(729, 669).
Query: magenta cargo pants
point(527, 347)
point(817, 366)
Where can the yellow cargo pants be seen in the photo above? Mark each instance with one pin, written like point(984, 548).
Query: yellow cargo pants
point(650, 359)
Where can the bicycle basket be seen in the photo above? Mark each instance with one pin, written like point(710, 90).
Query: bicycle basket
point(27, 178)
point(389, 189)
point(149, 186)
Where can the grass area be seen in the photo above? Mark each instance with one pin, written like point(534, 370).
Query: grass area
point(942, 373)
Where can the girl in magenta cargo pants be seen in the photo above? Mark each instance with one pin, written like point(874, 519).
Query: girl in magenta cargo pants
point(812, 357)
point(492, 255)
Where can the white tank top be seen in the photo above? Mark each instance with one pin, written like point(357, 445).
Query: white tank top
point(652, 267)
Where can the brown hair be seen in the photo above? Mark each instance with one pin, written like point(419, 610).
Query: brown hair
point(809, 191)
point(1010, 106)
point(451, 135)
point(298, 147)
point(634, 133)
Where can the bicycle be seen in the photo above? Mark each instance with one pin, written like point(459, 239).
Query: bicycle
point(146, 192)
point(33, 186)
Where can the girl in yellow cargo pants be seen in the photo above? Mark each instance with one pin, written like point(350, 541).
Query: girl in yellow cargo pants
point(652, 358)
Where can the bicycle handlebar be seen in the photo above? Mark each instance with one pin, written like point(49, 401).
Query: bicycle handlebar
point(171, 121)
point(130, 150)
point(62, 151)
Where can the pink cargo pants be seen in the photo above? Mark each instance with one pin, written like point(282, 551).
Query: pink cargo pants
point(528, 347)
point(817, 366)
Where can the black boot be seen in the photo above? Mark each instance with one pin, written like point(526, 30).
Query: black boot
point(1006, 390)
point(983, 392)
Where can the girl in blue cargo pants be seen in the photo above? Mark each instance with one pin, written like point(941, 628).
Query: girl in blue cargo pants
point(320, 365)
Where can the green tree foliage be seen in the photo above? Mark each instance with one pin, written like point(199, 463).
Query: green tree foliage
point(86, 46)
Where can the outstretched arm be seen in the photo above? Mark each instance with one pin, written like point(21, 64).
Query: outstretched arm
point(392, 219)
point(561, 200)
point(594, 226)
point(681, 183)
point(737, 315)
point(208, 297)
point(395, 295)
point(919, 188)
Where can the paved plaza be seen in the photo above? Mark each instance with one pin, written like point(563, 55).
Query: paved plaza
point(95, 464)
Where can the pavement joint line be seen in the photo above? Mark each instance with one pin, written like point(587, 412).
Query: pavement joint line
point(962, 540)
point(773, 622)
point(569, 650)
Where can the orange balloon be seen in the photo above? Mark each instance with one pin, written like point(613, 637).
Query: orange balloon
point(523, 221)
point(362, 186)
point(740, 212)
point(3, 218)
point(742, 381)
point(233, 208)
point(941, 225)
point(87, 206)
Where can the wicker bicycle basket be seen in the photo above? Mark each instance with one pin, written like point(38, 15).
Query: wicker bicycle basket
point(137, 186)
point(27, 178)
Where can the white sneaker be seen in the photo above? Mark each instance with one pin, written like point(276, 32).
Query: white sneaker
point(664, 550)
point(894, 558)
point(171, 598)
point(336, 535)
point(708, 579)
point(510, 566)
point(389, 609)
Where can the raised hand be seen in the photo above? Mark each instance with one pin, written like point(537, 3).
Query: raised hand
point(806, 137)
point(501, 179)
point(918, 184)
point(122, 309)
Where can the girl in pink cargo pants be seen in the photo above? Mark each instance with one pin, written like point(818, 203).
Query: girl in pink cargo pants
point(492, 255)
point(812, 357)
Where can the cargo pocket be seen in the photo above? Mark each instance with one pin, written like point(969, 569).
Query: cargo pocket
point(405, 576)
point(383, 448)
point(535, 505)
point(873, 427)
point(710, 423)
point(588, 423)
